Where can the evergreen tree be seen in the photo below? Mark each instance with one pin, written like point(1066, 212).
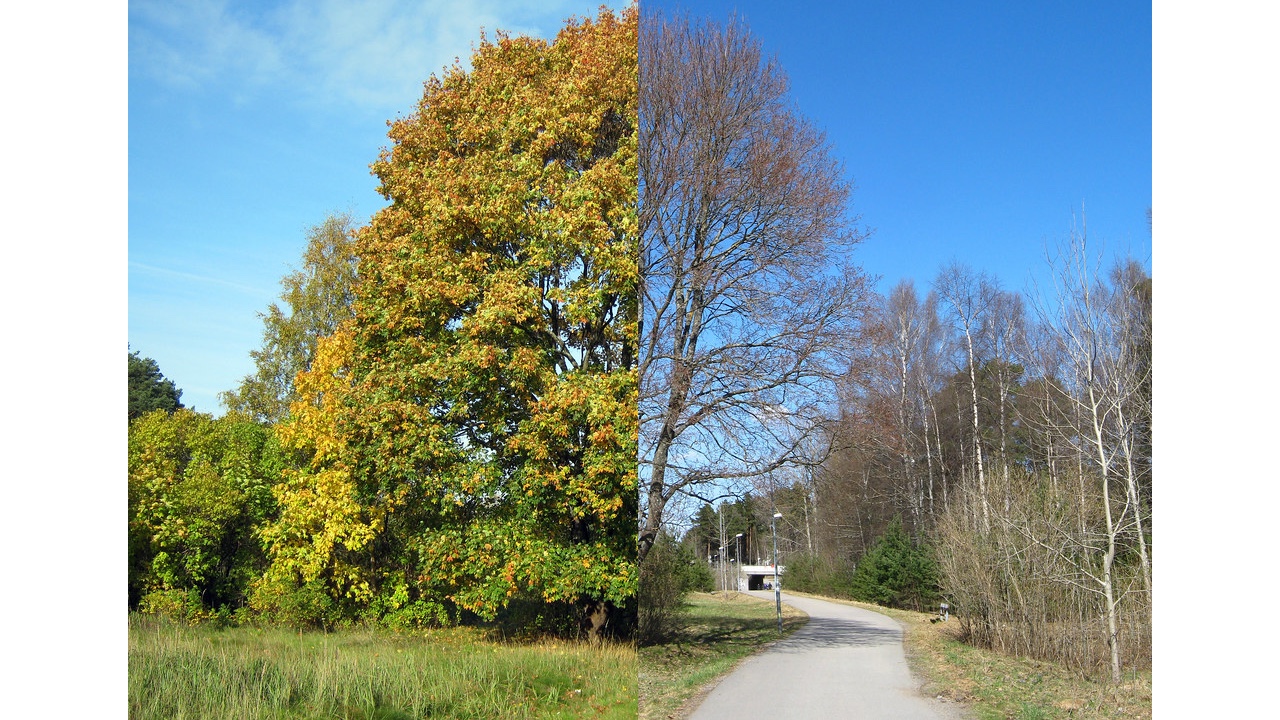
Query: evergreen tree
point(148, 388)
point(896, 572)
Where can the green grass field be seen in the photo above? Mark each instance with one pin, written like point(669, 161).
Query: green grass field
point(184, 672)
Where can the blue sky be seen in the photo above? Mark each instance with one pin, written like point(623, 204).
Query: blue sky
point(972, 131)
point(249, 122)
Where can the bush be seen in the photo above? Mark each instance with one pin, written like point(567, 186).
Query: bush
point(199, 491)
point(182, 606)
point(669, 573)
point(1023, 587)
point(527, 616)
point(896, 572)
point(418, 614)
point(813, 574)
point(306, 605)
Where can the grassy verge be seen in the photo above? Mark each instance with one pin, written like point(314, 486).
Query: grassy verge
point(994, 686)
point(717, 633)
point(183, 672)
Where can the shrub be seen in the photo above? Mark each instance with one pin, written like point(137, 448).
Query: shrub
point(182, 606)
point(418, 614)
point(199, 489)
point(669, 573)
point(814, 574)
point(306, 605)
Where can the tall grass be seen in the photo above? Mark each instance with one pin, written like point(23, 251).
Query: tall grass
point(181, 672)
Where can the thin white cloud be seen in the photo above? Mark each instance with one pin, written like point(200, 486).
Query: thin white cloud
point(192, 277)
point(370, 53)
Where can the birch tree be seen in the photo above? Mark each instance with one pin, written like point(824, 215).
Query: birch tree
point(1007, 336)
point(1091, 321)
point(966, 296)
point(906, 325)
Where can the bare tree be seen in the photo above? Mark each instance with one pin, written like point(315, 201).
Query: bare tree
point(906, 323)
point(967, 297)
point(1094, 322)
point(896, 393)
point(748, 305)
point(1129, 384)
point(928, 377)
point(1008, 338)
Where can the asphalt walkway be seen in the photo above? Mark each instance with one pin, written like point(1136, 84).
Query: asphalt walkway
point(845, 662)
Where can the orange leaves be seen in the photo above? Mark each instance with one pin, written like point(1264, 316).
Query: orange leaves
point(482, 402)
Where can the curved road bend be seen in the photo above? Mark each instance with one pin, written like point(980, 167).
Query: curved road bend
point(845, 662)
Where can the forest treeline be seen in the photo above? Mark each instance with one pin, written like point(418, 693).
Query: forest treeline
point(991, 450)
point(441, 425)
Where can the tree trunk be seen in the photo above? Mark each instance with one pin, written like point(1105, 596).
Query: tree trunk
point(1131, 483)
point(928, 456)
point(977, 434)
point(1112, 528)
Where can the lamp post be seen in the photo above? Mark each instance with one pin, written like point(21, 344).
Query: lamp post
point(724, 574)
point(777, 591)
point(737, 547)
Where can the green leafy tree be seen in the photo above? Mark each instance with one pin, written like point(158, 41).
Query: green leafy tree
point(316, 300)
point(199, 488)
point(475, 429)
point(149, 389)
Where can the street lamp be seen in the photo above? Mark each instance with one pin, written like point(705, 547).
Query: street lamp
point(724, 573)
point(738, 549)
point(777, 591)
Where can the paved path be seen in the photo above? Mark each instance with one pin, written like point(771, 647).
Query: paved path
point(845, 662)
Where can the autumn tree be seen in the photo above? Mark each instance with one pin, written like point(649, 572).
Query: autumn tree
point(316, 299)
point(149, 389)
point(749, 301)
point(474, 436)
point(321, 566)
